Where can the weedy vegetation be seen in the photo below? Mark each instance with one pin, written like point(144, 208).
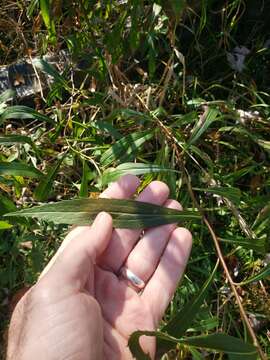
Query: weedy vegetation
point(170, 90)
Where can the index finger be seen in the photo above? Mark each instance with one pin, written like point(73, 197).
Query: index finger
point(124, 188)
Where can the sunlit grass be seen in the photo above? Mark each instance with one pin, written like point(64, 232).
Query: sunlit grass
point(155, 87)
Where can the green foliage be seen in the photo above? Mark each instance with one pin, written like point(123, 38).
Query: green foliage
point(45, 7)
point(220, 342)
point(19, 169)
point(125, 213)
point(42, 191)
point(126, 148)
point(148, 91)
point(22, 112)
point(112, 174)
point(183, 320)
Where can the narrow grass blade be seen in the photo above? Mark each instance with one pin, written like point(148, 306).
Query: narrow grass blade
point(264, 144)
point(196, 355)
point(125, 213)
point(48, 20)
point(217, 342)
point(224, 343)
point(264, 273)
point(231, 193)
point(6, 205)
point(202, 326)
point(15, 139)
point(22, 112)
point(203, 124)
point(183, 319)
point(43, 189)
point(5, 225)
point(125, 147)
point(84, 183)
point(7, 95)
point(31, 7)
point(105, 126)
point(50, 70)
point(19, 169)
point(132, 168)
point(181, 119)
point(258, 244)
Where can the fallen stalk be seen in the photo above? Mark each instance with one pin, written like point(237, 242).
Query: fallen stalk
point(243, 314)
point(227, 273)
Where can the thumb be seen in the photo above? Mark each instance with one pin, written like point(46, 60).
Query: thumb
point(73, 266)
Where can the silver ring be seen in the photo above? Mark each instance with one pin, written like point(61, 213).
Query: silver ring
point(133, 280)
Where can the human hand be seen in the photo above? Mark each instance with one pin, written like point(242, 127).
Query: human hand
point(81, 308)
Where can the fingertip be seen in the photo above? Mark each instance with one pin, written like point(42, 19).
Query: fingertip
point(103, 218)
point(183, 239)
point(160, 186)
point(156, 189)
point(124, 187)
point(173, 204)
point(129, 180)
point(185, 233)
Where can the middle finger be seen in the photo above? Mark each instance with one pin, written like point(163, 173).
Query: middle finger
point(123, 240)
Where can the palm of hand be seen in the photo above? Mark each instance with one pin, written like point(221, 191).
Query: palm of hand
point(124, 311)
point(81, 309)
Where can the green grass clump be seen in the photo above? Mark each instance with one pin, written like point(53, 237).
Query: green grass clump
point(150, 87)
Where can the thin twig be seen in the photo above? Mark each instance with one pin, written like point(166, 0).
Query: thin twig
point(225, 268)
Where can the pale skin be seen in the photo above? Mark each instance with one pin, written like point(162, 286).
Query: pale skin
point(80, 308)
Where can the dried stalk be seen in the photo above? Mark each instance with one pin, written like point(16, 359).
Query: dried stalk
point(243, 314)
point(225, 268)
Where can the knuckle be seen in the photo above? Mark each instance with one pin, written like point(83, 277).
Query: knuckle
point(42, 292)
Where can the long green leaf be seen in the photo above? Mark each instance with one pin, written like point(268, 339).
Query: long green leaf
point(48, 20)
point(84, 183)
point(31, 7)
point(6, 205)
point(7, 95)
point(125, 213)
point(218, 342)
point(49, 69)
point(230, 193)
point(264, 273)
point(19, 169)
point(258, 244)
point(224, 343)
point(15, 139)
point(43, 189)
point(201, 126)
point(180, 323)
point(23, 112)
point(183, 319)
point(125, 147)
point(105, 126)
point(204, 325)
point(132, 168)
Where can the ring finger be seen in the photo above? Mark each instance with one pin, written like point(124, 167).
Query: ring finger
point(144, 258)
